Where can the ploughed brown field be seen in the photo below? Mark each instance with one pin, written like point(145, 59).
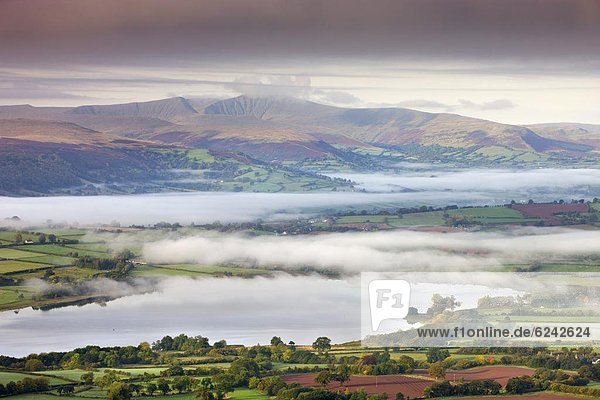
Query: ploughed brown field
point(414, 386)
point(532, 396)
point(390, 384)
point(548, 210)
point(500, 374)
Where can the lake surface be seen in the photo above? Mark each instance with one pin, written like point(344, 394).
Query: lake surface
point(242, 311)
point(252, 311)
point(246, 311)
point(409, 188)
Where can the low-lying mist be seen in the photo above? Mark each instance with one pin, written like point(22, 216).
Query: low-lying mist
point(379, 251)
point(433, 187)
point(557, 182)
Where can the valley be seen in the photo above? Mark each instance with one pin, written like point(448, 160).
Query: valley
point(254, 144)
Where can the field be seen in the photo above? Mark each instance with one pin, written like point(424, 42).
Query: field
point(412, 385)
point(491, 215)
point(548, 210)
point(196, 270)
point(532, 396)
point(390, 384)
point(22, 262)
point(500, 374)
point(14, 254)
point(6, 376)
point(479, 215)
point(13, 266)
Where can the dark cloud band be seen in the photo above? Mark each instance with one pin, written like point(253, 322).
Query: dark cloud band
point(93, 30)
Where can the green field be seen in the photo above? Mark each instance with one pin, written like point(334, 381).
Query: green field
point(63, 250)
point(8, 296)
point(53, 249)
point(12, 266)
point(195, 270)
point(490, 214)
point(483, 215)
point(8, 376)
point(68, 374)
point(432, 218)
point(13, 254)
point(10, 236)
point(247, 394)
point(51, 260)
point(39, 396)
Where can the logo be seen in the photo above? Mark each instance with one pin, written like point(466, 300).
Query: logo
point(388, 299)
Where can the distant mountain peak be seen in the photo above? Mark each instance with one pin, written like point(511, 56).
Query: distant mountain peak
point(164, 109)
point(267, 107)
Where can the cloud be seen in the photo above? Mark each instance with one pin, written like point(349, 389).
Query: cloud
point(287, 85)
point(335, 97)
point(421, 103)
point(499, 104)
point(462, 104)
point(18, 89)
point(72, 30)
point(273, 85)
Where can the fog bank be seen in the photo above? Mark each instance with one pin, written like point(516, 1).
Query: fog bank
point(379, 251)
point(554, 181)
point(431, 187)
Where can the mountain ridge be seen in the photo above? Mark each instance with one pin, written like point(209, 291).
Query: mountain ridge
point(265, 126)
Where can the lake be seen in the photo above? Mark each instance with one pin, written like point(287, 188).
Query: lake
point(241, 311)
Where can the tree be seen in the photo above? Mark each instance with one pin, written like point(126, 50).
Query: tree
point(399, 396)
point(223, 384)
point(34, 364)
point(439, 389)
point(42, 238)
point(18, 238)
point(441, 304)
point(322, 344)
point(435, 354)
point(437, 370)
point(204, 393)
point(119, 391)
point(342, 374)
point(151, 388)
point(52, 238)
point(182, 383)
point(519, 385)
point(323, 378)
point(88, 378)
point(163, 386)
point(276, 341)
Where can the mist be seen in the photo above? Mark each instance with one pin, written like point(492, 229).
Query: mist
point(379, 251)
point(552, 180)
point(407, 189)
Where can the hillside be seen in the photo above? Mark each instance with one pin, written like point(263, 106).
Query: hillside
point(55, 157)
point(39, 156)
point(44, 148)
point(285, 129)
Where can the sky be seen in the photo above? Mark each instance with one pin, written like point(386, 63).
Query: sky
point(513, 61)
